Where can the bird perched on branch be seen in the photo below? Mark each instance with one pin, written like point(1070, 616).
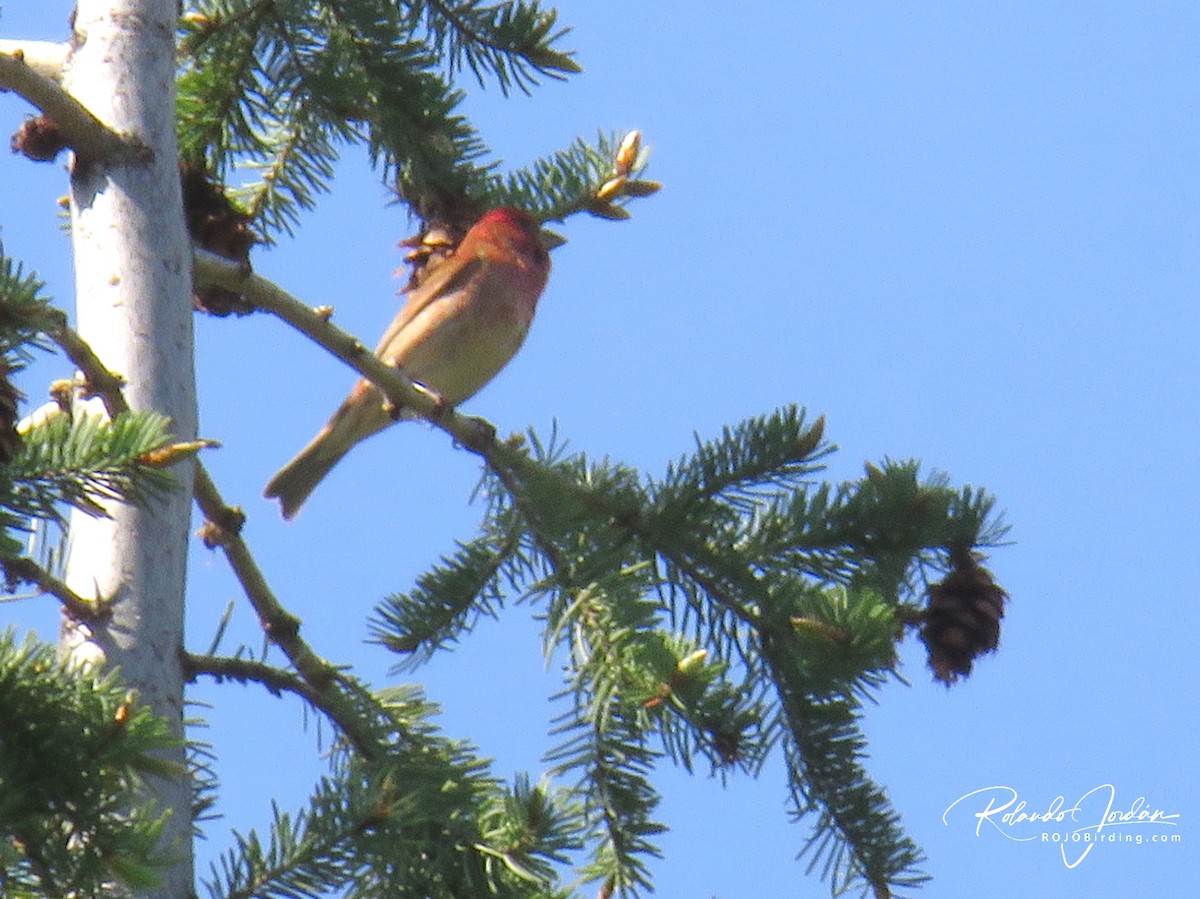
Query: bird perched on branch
point(457, 329)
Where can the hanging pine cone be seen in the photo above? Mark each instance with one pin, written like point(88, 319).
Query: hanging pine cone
point(963, 618)
point(728, 744)
point(10, 440)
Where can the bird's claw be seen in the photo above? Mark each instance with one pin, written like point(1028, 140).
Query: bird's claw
point(441, 409)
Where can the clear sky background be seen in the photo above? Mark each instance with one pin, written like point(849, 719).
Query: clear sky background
point(963, 232)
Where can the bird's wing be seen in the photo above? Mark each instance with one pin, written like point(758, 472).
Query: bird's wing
point(446, 280)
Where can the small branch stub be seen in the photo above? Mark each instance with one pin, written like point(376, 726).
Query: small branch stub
point(64, 117)
point(44, 58)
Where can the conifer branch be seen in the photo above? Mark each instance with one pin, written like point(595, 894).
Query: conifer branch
point(317, 852)
point(101, 382)
point(25, 570)
point(710, 584)
point(280, 87)
point(599, 179)
point(277, 681)
point(604, 736)
point(499, 458)
point(338, 696)
point(206, 121)
point(505, 39)
point(77, 805)
point(299, 161)
point(858, 835)
point(281, 626)
point(91, 138)
point(813, 640)
point(445, 600)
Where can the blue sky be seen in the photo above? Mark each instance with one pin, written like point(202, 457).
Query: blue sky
point(965, 233)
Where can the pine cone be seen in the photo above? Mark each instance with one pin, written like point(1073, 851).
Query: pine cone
point(963, 618)
point(728, 744)
point(217, 225)
point(39, 139)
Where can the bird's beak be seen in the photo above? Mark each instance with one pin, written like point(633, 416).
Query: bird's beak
point(550, 240)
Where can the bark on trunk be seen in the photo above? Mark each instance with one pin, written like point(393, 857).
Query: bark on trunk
point(133, 300)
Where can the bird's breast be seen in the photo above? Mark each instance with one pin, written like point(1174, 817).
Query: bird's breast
point(460, 342)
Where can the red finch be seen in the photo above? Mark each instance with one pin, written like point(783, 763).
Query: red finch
point(457, 329)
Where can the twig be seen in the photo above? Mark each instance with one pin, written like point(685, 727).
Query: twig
point(462, 27)
point(24, 570)
point(277, 682)
point(100, 381)
point(493, 455)
point(209, 269)
point(90, 137)
point(281, 626)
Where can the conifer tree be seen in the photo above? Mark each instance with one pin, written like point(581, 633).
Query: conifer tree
point(731, 607)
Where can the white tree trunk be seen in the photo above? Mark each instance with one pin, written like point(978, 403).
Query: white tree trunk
point(133, 298)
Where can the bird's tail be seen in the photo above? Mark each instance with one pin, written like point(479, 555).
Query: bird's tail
point(293, 483)
point(358, 418)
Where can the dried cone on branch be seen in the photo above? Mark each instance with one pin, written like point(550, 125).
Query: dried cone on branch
point(963, 618)
point(40, 139)
point(216, 224)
